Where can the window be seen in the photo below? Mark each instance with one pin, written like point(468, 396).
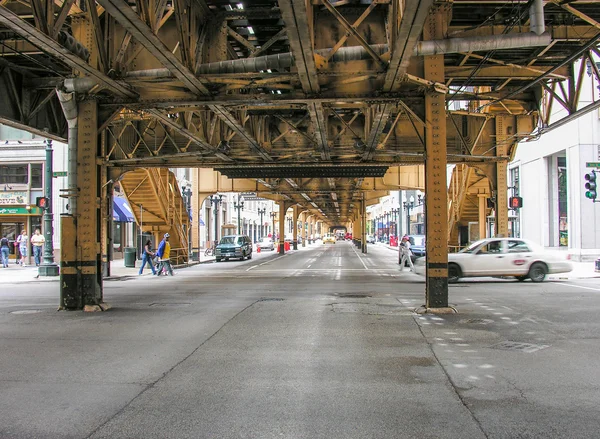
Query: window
point(491, 247)
point(518, 247)
point(36, 176)
point(13, 174)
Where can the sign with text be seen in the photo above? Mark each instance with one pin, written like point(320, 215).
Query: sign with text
point(13, 197)
point(592, 164)
point(19, 211)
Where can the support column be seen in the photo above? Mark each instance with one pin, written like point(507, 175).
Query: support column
point(482, 220)
point(80, 265)
point(282, 211)
point(502, 144)
point(363, 228)
point(48, 267)
point(436, 287)
point(295, 225)
point(304, 229)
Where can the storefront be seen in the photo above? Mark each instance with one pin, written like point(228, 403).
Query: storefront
point(15, 219)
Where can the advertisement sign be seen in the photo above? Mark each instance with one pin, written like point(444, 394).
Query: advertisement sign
point(20, 211)
point(13, 197)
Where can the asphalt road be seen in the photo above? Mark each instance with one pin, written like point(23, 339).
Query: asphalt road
point(318, 343)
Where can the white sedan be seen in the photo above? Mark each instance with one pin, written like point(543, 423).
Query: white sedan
point(505, 257)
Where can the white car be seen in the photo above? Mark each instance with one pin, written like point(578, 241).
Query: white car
point(266, 244)
point(505, 257)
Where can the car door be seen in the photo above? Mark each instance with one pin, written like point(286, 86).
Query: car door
point(519, 257)
point(488, 260)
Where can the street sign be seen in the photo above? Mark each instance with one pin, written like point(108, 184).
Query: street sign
point(20, 211)
point(592, 164)
point(59, 174)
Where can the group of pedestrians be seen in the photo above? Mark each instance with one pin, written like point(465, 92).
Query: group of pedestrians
point(21, 243)
point(162, 254)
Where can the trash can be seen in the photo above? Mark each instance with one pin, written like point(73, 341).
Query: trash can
point(130, 256)
point(195, 255)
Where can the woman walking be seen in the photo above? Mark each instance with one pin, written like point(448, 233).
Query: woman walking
point(147, 257)
point(5, 250)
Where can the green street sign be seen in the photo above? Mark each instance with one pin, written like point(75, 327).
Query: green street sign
point(59, 174)
point(19, 211)
point(592, 164)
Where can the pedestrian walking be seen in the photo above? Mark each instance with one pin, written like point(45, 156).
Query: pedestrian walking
point(37, 242)
point(23, 240)
point(147, 257)
point(164, 253)
point(405, 254)
point(5, 250)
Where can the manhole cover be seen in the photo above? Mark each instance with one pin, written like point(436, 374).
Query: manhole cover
point(520, 347)
point(27, 311)
point(271, 299)
point(170, 305)
point(354, 296)
point(477, 321)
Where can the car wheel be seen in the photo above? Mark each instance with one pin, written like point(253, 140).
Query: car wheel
point(218, 259)
point(454, 273)
point(537, 272)
point(250, 256)
point(522, 278)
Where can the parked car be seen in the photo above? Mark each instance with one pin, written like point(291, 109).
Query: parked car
point(266, 244)
point(370, 239)
point(516, 257)
point(329, 239)
point(234, 246)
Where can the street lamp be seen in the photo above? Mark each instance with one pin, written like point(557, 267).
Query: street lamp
point(186, 193)
point(408, 206)
point(261, 212)
point(239, 206)
point(395, 212)
point(48, 267)
point(273, 216)
point(216, 199)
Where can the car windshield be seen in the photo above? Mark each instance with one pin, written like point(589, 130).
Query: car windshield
point(471, 248)
point(267, 240)
point(417, 241)
point(227, 240)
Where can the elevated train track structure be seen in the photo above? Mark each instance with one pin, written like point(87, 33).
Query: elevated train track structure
point(322, 106)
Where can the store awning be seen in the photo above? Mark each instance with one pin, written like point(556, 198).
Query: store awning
point(121, 211)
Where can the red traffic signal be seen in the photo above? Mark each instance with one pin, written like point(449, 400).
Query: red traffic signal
point(42, 202)
point(515, 202)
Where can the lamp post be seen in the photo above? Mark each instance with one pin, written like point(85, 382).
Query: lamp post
point(395, 212)
point(239, 206)
point(408, 206)
point(273, 216)
point(186, 192)
point(48, 267)
point(216, 199)
point(387, 226)
point(261, 212)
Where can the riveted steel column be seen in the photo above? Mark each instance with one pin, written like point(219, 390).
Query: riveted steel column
point(436, 289)
point(295, 223)
point(81, 270)
point(503, 124)
point(482, 219)
point(363, 227)
point(304, 229)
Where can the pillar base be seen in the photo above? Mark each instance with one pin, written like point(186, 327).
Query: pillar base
point(295, 244)
point(48, 270)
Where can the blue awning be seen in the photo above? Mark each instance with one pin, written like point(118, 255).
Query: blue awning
point(121, 211)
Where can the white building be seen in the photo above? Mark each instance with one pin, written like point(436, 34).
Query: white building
point(549, 175)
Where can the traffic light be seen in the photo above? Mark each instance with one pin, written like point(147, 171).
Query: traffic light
point(42, 202)
point(515, 202)
point(590, 185)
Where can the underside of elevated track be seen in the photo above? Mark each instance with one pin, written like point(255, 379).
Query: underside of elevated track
point(323, 106)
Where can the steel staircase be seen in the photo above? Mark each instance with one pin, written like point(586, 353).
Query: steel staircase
point(158, 207)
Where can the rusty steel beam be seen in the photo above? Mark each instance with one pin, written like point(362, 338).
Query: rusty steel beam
point(127, 17)
point(295, 15)
point(319, 121)
point(52, 47)
point(237, 127)
point(413, 20)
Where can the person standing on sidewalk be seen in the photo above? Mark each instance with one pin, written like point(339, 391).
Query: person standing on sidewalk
point(37, 242)
point(23, 240)
point(405, 254)
point(164, 253)
point(147, 257)
point(5, 250)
